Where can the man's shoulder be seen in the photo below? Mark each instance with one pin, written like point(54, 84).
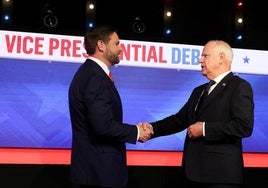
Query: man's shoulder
point(239, 79)
point(238, 82)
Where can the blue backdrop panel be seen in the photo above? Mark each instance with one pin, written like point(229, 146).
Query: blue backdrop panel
point(34, 103)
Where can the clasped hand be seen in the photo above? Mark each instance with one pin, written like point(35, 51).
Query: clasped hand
point(195, 130)
point(146, 131)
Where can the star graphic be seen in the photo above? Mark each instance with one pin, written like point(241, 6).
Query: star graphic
point(50, 97)
point(246, 59)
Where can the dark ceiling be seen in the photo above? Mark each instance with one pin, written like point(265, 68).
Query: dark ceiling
point(195, 22)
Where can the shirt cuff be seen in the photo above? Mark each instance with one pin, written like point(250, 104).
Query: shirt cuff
point(204, 132)
point(138, 135)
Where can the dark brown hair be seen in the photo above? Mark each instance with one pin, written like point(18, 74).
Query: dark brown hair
point(100, 32)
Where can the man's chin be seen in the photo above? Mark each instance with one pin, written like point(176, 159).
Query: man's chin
point(203, 73)
point(116, 62)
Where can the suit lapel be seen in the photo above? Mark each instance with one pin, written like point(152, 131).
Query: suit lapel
point(217, 90)
point(222, 85)
point(102, 73)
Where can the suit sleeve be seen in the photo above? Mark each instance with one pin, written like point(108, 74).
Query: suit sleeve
point(105, 112)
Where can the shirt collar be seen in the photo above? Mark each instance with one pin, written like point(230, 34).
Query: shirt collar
point(101, 64)
point(220, 77)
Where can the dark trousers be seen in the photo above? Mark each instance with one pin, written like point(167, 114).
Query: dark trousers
point(189, 184)
point(91, 186)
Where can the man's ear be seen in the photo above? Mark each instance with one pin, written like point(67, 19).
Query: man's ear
point(222, 57)
point(100, 45)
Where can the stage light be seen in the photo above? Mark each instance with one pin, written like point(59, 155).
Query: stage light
point(90, 14)
point(167, 32)
point(168, 18)
point(239, 4)
point(239, 21)
point(91, 6)
point(6, 12)
point(50, 20)
point(168, 14)
point(6, 17)
point(90, 25)
point(239, 37)
point(138, 26)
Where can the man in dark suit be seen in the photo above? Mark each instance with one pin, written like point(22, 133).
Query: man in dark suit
point(98, 157)
point(212, 156)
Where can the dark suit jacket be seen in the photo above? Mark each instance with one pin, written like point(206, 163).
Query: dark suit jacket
point(229, 115)
point(98, 147)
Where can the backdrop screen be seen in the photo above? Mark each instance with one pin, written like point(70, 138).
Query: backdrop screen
point(34, 105)
point(34, 109)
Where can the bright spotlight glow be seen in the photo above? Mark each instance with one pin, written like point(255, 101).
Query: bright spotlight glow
point(169, 13)
point(240, 4)
point(90, 25)
point(167, 32)
point(239, 37)
point(6, 17)
point(91, 6)
point(240, 20)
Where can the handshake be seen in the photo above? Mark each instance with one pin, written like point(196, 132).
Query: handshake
point(145, 130)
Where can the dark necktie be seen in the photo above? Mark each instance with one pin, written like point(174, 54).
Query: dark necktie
point(204, 94)
point(211, 83)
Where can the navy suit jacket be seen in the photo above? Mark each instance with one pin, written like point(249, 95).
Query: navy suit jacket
point(98, 154)
point(228, 114)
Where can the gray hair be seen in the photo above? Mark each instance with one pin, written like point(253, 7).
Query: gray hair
point(224, 47)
